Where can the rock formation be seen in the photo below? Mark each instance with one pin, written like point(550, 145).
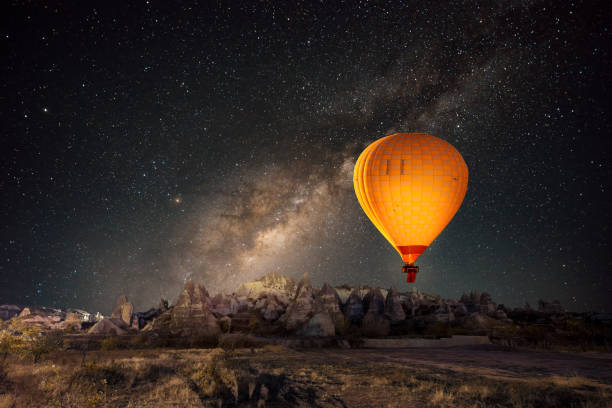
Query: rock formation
point(486, 304)
point(73, 321)
point(145, 318)
point(124, 310)
point(191, 315)
point(271, 284)
point(353, 308)
point(271, 307)
point(110, 326)
point(274, 305)
point(9, 311)
point(327, 301)
point(374, 302)
point(269, 296)
point(45, 318)
point(393, 306)
point(444, 313)
point(223, 305)
point(300, 310)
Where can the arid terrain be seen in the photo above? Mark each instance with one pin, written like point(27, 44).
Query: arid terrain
point(277, 343)
point(278, 376)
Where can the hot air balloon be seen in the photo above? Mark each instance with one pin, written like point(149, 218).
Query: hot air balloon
point(410, 185)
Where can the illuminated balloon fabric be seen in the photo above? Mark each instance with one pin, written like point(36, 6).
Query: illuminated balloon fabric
point(410, 185)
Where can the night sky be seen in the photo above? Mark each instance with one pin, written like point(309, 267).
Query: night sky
point(147, 142)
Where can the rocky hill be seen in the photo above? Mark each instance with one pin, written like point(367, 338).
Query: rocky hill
point(275, 305)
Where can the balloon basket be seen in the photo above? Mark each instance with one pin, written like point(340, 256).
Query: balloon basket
point(411, 271)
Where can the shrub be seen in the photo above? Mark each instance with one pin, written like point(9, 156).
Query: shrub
point(204, 341)
point(342, 326)
point(438, 329)
point(46, 343)
point(55, 339)
point(538, 335)
point(32, 343)
point(110, 343)
point(141, 340)
point(224, 325)
point(354, 336)
point(99, 376)
point(8, 343)
point(215, 380)
point(254, 323)
point(237, 340)
point(151, 374)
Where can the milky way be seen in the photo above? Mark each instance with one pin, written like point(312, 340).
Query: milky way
point(155, 142)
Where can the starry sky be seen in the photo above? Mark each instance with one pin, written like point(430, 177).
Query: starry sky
point(147, 142)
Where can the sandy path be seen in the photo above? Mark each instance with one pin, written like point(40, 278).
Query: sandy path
point(488, 361)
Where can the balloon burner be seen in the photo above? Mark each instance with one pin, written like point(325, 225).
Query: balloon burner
point(411, 270)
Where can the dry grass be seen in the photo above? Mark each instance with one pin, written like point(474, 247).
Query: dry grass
point(7, 401)
point(272, 375)
point(442, 398)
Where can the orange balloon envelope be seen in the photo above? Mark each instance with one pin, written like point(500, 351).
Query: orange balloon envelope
point(410, 185)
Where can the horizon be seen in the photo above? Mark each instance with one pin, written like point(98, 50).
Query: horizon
point(412, 288)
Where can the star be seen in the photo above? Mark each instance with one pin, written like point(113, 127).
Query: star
point(197, 146)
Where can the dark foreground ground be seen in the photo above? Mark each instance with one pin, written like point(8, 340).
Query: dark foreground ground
point(482, 376)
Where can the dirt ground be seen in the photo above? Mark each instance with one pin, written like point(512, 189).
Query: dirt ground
point(476, 376)
point(491, 361)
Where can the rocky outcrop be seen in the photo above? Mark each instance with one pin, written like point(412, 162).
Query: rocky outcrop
point(223, 305)
point(374, 302)
point(24, 312)
point(308, 311)
point(274, 304)
point(43, 321)
point(300, 310)
point(327, 301)
point(344, 291)
point(471, 302)
point(476, 302)
point(271, 284)
point(324, 308)
point(191, 315)
point(486, 304)
point(45, 318)
point(269, 296)
point(444, 313)
point(271, 307)
point(393, 306)
point(145, 318)
point(124, 310)
point(411, 302)
point(353, 308)
point(110, 326)
point(9, 311)
point(73, 321)
point(375, 323)
point(459, 309)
